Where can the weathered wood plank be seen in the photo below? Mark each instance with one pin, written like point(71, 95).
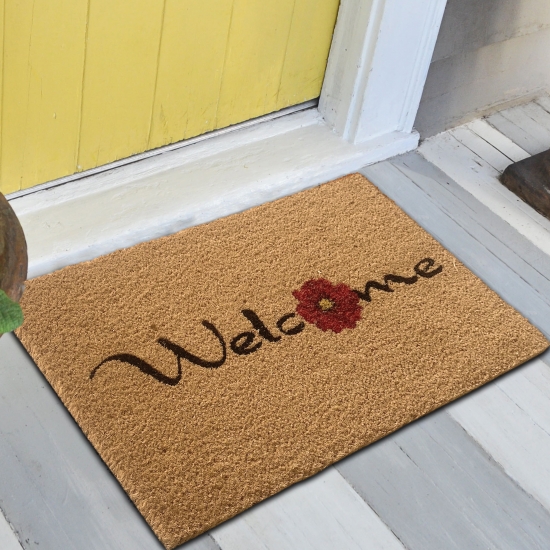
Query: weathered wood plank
point(204, 542)
point(491, 492)
point(529, 388)
point(481, 180)
point(321, 513)
point(436, 488)
point(532, 112)
point(517, 125)
point(505, 421)
point(480, 147)
point(498, 140)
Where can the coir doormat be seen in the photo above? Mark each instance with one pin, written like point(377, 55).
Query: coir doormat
point(217, 366)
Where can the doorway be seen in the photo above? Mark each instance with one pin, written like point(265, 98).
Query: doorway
point(89, 82)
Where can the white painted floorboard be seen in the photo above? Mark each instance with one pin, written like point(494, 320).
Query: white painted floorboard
point(510, 419)
point(482, 148)
point(322, 513)
point(498, 140)
point(527, 126)
point(533, 119)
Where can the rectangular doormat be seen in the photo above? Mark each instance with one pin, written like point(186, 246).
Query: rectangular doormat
point(217, 366)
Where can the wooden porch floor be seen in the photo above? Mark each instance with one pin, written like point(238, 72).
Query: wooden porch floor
point(475, 474)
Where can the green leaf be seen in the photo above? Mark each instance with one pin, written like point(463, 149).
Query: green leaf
point(11, 315)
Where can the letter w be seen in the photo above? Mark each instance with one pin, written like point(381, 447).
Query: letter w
point(178, 351)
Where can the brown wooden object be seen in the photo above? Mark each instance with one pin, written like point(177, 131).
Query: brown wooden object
point(529, 179)
point(13, 252)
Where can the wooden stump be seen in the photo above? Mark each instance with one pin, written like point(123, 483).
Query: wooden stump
point(13, 252)
point(529, 179)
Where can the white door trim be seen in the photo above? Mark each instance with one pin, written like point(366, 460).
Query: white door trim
point(378, 64)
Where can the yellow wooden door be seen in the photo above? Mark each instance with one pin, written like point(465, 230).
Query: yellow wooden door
point(87, 82)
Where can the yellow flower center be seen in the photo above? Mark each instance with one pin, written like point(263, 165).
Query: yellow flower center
point(325, 304)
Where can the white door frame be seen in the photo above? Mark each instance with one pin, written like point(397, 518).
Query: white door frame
point(378, 64)
point(376, 72)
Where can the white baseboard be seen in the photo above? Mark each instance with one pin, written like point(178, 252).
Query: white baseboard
point(158, 196)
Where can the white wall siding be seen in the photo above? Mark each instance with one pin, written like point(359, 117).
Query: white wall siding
point(488, 53)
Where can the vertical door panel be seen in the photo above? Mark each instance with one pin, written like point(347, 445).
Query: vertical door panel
point(255, 55)
point(42, 80)
point(119, 79)
point(307, 51)
point(190, 68)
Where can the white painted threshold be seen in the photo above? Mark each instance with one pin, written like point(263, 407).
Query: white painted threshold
point(313, 103)
point(183, 187)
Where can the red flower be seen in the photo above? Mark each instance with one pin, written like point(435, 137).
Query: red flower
point(328, 306)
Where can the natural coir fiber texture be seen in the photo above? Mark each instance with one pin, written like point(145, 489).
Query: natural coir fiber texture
point(217, 366)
